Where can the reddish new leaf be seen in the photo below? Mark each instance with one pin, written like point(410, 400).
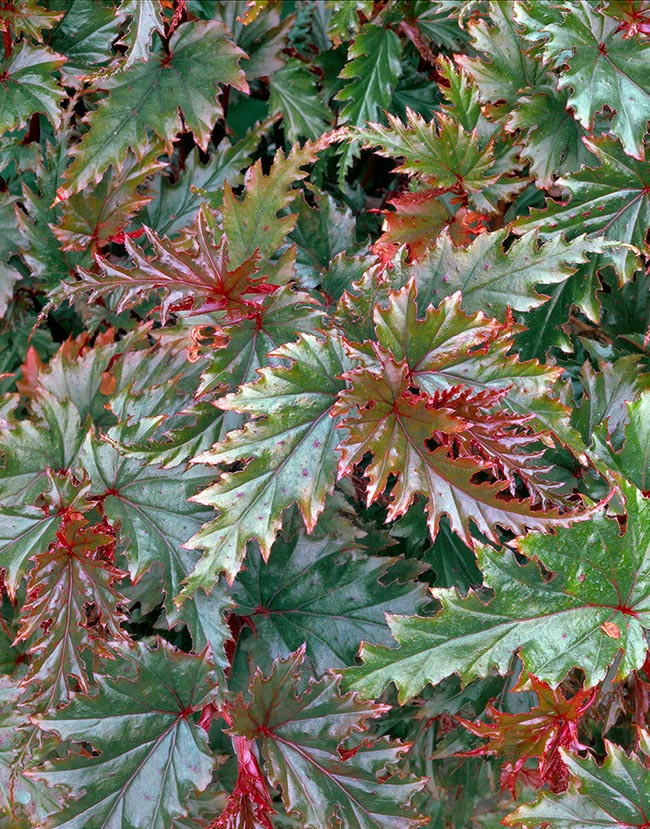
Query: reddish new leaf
point(249, 804)
point(196, 273)
point(540, 733)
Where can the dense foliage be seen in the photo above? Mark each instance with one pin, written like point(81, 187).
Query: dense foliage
point(325, 414)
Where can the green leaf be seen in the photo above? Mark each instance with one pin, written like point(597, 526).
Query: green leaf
point(503, 70)
point(461, 91)
point(493, 279)
point(51, 439)
point(263, 36)
point(290, 452)
point(372, 71)
point(551, 138)
point(150, 506)
point(252, 223)
point(29, 86)
point(614, 794)
point(294, 94)
point(40, 249)
point(632, 459)
point(142, 731)
point(93, 218)
point(318, 593)
point(603, 68)
point(151, 96)
point(606, 393)
point(439, 150)
point(321, 234)
point(82, 36)
point(302, 738)
point(8, 248)
point(146, 18)
point(612, 200)
point(580, 616)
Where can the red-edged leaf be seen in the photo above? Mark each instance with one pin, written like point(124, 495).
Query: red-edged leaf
point(196, 274)
point(70, 607)
point(324, 780)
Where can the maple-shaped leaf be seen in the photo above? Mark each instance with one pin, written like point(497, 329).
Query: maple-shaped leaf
point(615, 793)
point(494, 279)
point(29, 85)
point(539, 733)
point(612, 200)
point(200, 273)
point(70, 607)
point(294, 94)
point(303, 742)
point(550, 137)
point(289, 449)
point(434, 436)
point(602, 68)
point(150, 506)
point(142, 730)
point(420, 440)
point(372, 70)
point(589, 613)
point(503, 69)
point(252, 223)
point(93, 218)
point(440, 150)
point(146, 18)
point(630, 459)
point(151, 96)
point(322, 594)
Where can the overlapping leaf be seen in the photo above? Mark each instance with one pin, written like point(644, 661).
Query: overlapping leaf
point(436, 441)
point(151, 96)
point(614, 794)
point(612, 200)
point(201, 273)
point(596, 62)
point(321, 594)
point(141, 730)
point(290, 454)
point(303, 744)
point(586, 614)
